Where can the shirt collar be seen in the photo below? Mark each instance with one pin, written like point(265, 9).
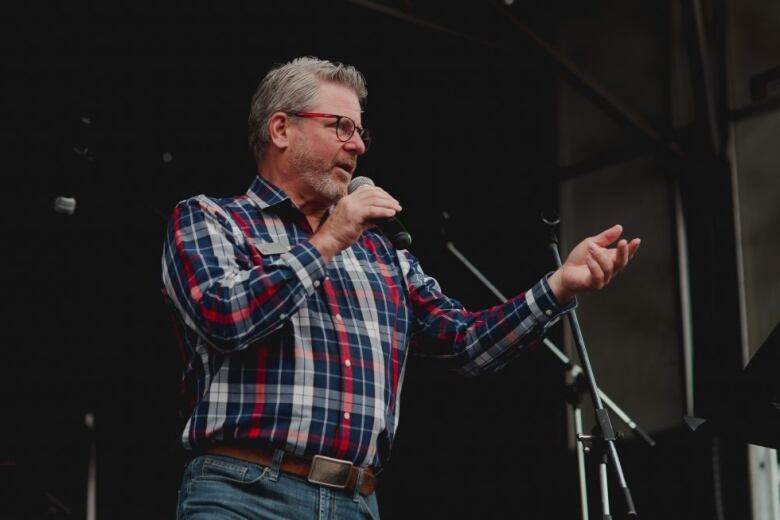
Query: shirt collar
point(266, 194)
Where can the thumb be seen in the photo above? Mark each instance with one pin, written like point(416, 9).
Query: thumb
point(608, 236)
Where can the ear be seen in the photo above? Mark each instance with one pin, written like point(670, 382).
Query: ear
point(278, 129)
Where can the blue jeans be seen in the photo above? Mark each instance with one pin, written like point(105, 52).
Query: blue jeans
point(214, 487)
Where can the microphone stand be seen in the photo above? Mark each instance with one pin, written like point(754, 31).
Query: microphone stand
point(602, 442)
point(576, 390)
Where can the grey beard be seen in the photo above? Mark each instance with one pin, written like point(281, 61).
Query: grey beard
point(324, 185)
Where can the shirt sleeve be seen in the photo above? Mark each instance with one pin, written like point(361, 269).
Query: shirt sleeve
point(476, 342)
point(222, 286)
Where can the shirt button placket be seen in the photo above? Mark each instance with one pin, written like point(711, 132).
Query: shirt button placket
point(338, 320)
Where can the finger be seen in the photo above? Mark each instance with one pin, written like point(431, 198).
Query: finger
point(378, 197)
point(370, 217)
point(632, 247)
point(385, 203)
point(621, 256)
point(596, 273)
point(390, 197)
point(605, 262)
point(376, 190)
point(608, 236)
point(375, 196)
point(380, 212)
point(369, 191)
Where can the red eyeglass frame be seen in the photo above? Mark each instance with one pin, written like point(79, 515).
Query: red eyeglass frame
point(362, 132)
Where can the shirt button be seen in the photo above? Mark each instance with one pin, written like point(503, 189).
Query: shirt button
point(282, 316)
point(548, 312)
point(348, 363)
point(316, 283)
point(346, 415)
point(338, 317)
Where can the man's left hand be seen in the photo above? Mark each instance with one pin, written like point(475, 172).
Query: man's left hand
point(592, 264)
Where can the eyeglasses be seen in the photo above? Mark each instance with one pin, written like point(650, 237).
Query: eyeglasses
point(345, 127)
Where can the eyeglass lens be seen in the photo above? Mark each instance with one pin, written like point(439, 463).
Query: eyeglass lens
point(345, 128)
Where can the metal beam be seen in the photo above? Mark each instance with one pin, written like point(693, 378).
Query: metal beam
point(755, 109)
point(702, 68)
point(567, 71)
point(591, 89)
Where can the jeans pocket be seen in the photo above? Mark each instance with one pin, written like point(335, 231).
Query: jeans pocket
point(224, 469)
point(366, 509)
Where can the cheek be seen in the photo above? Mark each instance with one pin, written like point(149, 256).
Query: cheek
point(320, 152)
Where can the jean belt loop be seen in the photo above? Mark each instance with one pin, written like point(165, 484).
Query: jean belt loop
point(276, 464)
point(358, 484)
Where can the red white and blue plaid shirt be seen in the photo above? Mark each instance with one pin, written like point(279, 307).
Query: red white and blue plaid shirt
point(284, 350)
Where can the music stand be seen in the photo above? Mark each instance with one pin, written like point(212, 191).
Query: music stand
point(751, 412)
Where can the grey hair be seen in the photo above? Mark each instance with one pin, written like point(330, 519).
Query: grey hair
point(293, 87)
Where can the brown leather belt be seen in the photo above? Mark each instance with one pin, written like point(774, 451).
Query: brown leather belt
point(320, 470)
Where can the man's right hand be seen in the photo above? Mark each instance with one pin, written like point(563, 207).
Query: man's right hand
point(352, 215)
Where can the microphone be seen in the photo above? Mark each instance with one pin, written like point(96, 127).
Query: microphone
point(65, 205)
point(391, 227)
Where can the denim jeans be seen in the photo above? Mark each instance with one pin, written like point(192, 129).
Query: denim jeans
point(214, 487)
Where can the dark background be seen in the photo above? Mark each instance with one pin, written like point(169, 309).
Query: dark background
point(465, 126)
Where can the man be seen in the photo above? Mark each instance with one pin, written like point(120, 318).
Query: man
point(298, 313)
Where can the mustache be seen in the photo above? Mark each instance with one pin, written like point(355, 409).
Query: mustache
point(347, 164)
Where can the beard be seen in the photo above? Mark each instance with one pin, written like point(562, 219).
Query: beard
point(317, 174)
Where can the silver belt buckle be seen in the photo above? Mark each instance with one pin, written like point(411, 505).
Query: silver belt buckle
point(332, 473)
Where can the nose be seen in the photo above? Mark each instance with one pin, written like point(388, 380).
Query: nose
point(355, 144)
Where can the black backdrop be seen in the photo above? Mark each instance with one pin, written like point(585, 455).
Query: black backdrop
point(458, 127)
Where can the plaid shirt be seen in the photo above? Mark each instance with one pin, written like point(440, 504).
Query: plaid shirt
point(282, 349)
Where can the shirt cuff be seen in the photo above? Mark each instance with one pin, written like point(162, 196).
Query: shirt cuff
point(542, 302)
point(307, 263)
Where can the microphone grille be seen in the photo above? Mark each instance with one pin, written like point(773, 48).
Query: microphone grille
point(358, 182)
point(65, 205)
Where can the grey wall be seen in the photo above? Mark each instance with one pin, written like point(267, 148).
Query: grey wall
point(753, 43)
point(632, 328)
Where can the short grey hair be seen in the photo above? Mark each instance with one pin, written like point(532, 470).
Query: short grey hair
point(293, 87)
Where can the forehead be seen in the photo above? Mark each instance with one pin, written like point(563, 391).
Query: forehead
point(338, 99)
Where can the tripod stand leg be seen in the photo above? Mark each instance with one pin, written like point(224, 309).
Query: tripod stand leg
point(604, 492)
point(89, 420)
point(581, 462)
